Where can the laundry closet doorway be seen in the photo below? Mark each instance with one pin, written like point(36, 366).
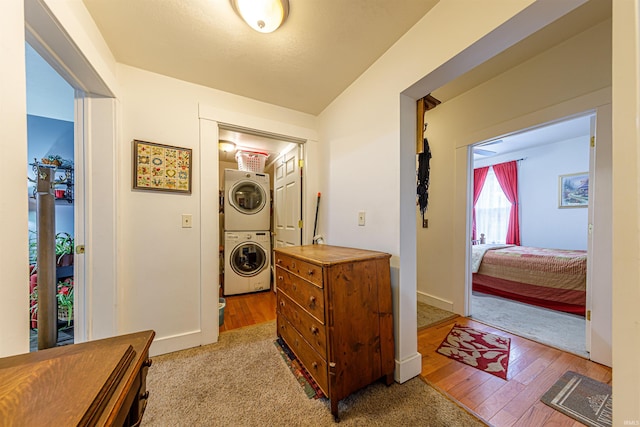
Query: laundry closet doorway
point(212, 132)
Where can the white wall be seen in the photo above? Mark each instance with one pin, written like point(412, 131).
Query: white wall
point(160, 262)
point(626, 205)
point(542, 223)
point(443, 34)
point(48, 94)
point(14, 253)
point(365, 142)
point(540, 90)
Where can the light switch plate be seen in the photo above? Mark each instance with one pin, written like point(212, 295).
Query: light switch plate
point(361, 218)
point(187, 221)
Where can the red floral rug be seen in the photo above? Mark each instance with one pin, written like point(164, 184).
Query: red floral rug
point(311, 389)
point(482, 350)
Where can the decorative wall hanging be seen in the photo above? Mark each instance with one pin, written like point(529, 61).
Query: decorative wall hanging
point(161, 167)
point(573, 190)
point(423, 177)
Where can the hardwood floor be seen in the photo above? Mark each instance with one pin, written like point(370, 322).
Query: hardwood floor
point(533, 368)
point(248, 309)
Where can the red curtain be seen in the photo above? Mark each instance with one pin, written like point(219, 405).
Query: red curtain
point(479, 176)
point(507, 176)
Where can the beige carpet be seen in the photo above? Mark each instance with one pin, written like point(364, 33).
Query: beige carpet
point(243, 381)
point(429, 315)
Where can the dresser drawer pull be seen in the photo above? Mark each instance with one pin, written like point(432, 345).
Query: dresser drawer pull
point(147, 363)
point(314, 330)
point(281, 303)
point(310, 272)
point(312, 300)
point(315, 365)
point(279, 261)
point(280, 278)
point(145, 395)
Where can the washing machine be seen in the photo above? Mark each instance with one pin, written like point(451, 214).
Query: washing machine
point(247, 201)
point(247, 264)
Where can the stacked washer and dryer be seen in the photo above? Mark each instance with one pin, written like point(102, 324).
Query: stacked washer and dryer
point(247, 235)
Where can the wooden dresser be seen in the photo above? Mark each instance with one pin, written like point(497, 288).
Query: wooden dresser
point(335, 313)
point(96, 383)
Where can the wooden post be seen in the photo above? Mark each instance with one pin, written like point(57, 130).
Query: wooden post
point(420, 126)
point(46, 218)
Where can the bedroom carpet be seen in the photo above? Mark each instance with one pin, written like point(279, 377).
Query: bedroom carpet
point(560, 330)
point(243, 381)
point(429, 315)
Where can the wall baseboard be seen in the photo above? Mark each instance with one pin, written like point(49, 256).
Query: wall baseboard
point(173, 343)
point(408, 368)
point(435, 301)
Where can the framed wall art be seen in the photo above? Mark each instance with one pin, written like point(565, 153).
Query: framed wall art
point(161, 167)
point(573, 190)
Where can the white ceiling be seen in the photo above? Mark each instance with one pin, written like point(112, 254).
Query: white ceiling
point(322, 47)
point(320, 50)
point(547, 134)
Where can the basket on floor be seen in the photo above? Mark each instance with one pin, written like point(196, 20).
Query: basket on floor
point(251, 161)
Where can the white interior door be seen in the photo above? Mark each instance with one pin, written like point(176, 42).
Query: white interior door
point(592, 164)
point(286, 200)
point(599, 273)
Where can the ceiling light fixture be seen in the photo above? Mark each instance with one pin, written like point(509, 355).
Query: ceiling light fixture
point(227, 146)
point(264, 16)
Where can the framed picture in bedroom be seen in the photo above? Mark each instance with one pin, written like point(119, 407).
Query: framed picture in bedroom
point(573, 190)
point(159, 167)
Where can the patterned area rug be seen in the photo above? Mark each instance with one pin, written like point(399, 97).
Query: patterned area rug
point(582, 398)
point(309, 386)
point(482, 350)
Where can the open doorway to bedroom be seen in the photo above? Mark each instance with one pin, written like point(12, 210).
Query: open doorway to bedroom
point(530, 232)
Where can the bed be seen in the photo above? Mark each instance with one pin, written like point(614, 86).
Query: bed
point(550, 278)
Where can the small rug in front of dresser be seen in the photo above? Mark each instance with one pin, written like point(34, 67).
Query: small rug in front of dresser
point(581, 398)
point(482, 350)
point(309, 386)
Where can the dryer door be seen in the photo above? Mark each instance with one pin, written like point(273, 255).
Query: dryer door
point(247, 197)
point(248, 259)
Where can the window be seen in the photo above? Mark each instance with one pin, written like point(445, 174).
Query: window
point(492, 211)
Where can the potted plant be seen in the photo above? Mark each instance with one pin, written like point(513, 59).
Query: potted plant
point(65, 301)
point(33, 247)
point(64, 249)
point(64, 296)
point(52, 160)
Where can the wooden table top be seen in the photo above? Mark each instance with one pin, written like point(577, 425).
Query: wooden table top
point(79, 384)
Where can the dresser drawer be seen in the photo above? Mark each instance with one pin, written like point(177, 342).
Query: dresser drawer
point(308, 296)
point(309, 327)
point(308, 271)
point(310, 359)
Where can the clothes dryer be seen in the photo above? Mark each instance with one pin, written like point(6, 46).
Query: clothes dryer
point(247, 201)
point(246, 262)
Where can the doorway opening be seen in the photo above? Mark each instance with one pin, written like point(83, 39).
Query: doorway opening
point(260, 208)
point(534, 281)
point(50, 140)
